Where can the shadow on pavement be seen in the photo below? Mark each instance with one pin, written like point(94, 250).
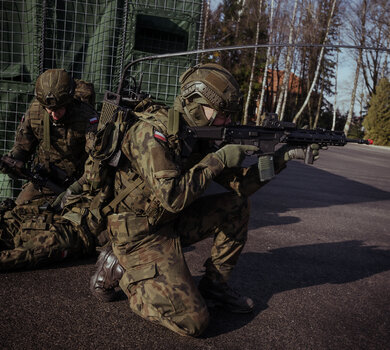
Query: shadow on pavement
point(308, 187)
point(296, 267)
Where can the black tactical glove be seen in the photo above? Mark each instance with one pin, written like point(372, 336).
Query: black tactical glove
point(3, 167)
point(59, 202)
point(11, 166)
point(233, 155)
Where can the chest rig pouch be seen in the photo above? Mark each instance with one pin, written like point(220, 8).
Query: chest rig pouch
point(113, 123)
point(132, 193)
point(116, 118)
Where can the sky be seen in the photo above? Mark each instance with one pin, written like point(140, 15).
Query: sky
point(346, 74)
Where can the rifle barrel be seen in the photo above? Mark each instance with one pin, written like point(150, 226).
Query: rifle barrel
point(360, 141)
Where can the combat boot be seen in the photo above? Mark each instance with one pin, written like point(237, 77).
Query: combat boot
point(218, 293)
point(107, 275)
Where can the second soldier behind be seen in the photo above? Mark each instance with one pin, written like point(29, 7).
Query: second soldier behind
point(57, 133)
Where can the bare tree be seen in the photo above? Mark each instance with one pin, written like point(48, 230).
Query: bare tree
point(335, 90)
point(368, 26)
point(206, 19)
point(253, 66)
point(314, 82)
point(362, 11)
point(265, 74)
point(385, 68)
point(319, 103)
point(377, 34)
point(284, 88)
point(240, 11)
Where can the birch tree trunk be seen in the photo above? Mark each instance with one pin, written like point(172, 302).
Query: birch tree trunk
point(335, 92)
point(353, 96)
point(318, 66)
point(286, 77)
point(207, 12)
point(253, 67)
point(384, 68)
point(240, 11)
point(319, 104)
point(265, 75)
point(358, 65)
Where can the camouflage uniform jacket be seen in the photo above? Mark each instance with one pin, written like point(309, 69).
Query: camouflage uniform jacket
point(163, 183)
point(71, 138)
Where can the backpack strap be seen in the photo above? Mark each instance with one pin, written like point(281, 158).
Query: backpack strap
point(46, 138)
point(173, 121)
point(129, 187)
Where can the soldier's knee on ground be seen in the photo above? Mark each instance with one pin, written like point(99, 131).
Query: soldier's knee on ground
point(186, 322)
point(191, 324)
point(169, 300)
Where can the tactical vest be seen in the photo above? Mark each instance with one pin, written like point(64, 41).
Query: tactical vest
point(62, 144)
point(131, 192)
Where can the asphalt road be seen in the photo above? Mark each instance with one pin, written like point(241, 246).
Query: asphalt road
point(317, 264)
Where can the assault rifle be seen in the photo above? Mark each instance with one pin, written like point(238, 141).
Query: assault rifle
point(268, 136)
point(38, 175)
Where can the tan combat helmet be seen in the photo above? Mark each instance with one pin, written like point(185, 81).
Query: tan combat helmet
point(212, 85)
point(54, 88)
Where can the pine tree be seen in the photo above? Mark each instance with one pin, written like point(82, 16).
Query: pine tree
point(377, 121)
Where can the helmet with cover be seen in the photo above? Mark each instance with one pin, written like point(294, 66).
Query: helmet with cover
point(211, 85)
point(54, 88)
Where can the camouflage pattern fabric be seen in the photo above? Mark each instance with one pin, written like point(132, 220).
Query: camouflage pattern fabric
point(157, 281)
point(70, 141)
point(164, 211)
point(85, 92)
point(31, 237)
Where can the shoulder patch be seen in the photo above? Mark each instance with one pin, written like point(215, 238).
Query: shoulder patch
point(93, 120)
point(158, 135)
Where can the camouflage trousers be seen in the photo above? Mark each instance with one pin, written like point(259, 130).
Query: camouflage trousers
point(157, 281)
point(31, 237)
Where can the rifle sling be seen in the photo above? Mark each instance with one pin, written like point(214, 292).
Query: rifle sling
point(46, 132)
point(46, 138)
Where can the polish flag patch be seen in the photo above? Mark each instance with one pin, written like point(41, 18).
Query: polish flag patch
point(158, 135)
point(93, 120)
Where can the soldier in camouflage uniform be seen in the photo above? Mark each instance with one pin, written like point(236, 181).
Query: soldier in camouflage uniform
point(57, 131)
point(160, 209)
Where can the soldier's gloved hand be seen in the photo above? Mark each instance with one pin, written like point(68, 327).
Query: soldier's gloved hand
point(233, 155)
point(59, 202)
point(3, 168)
point(300, 153)
point(9, 165)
